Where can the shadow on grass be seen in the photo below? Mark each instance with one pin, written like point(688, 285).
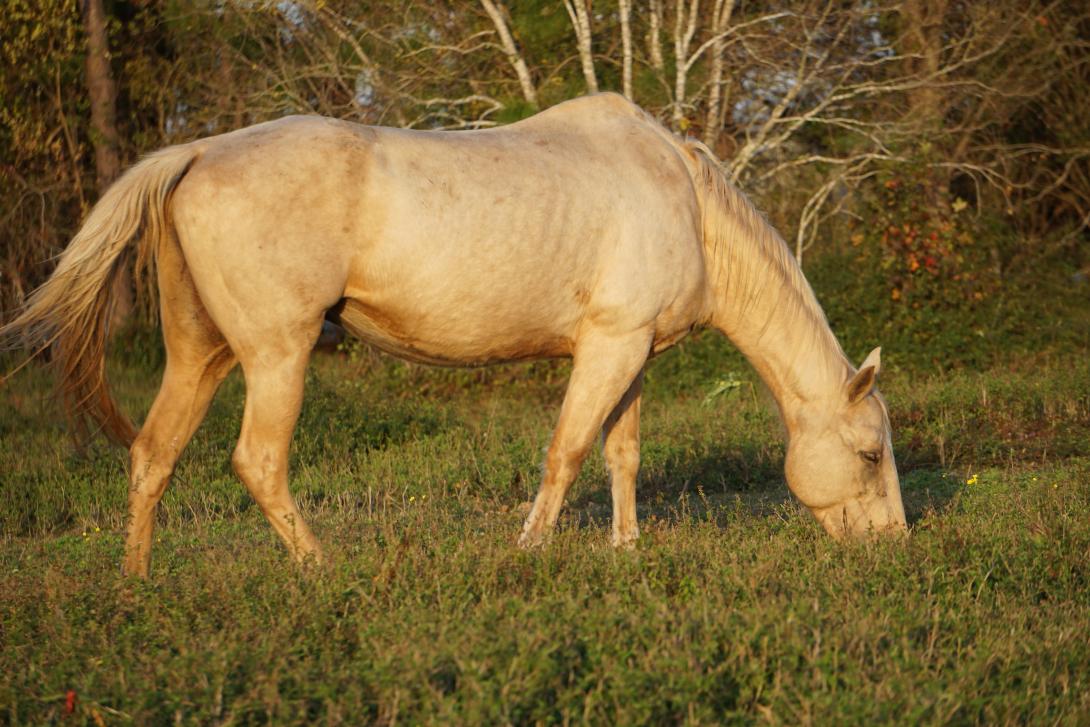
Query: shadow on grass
point(683, 486)
point(715, 486)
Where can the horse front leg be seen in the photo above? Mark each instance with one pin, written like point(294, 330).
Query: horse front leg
point(604, 368)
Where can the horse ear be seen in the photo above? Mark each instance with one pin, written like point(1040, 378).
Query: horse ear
point(874, 358)
point(862, 384)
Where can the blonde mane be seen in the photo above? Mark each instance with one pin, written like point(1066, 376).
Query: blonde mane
point(756, 277)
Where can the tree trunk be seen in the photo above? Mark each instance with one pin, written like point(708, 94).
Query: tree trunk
point(625, 7)
point(104, 137)
point(103, 93)
point(580, 20)
point(684, 29)
point(654, 35)
point(713, 124)
point(922, 43)
point(923, 22)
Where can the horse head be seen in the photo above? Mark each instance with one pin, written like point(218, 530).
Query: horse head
point(840, 459)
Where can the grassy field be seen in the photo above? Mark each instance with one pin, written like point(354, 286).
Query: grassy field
point(734, 607)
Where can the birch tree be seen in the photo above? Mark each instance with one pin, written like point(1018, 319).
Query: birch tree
point(654, 35)
point(514, 57)
point(579, 13)
point(686, 14)
point(625, 11)
point(713, 122)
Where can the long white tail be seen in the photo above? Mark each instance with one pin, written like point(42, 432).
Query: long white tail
point(70, 312)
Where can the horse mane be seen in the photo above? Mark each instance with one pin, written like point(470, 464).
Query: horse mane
point(756, 275)
point(746, 254)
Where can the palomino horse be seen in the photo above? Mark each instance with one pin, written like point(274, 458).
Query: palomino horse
point(587, 231)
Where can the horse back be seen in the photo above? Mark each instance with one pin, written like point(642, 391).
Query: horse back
point(454, 247)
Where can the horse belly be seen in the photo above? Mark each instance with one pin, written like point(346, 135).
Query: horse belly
point(418, 337)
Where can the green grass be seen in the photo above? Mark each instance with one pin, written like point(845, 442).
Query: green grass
point(734, 608)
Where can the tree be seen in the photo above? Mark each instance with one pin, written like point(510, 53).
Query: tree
point(808, 102)
point(102, 91)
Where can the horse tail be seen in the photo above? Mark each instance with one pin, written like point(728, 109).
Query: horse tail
point(70, 313)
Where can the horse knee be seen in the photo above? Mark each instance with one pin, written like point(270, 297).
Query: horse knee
point(623, 458)
point(563, 465)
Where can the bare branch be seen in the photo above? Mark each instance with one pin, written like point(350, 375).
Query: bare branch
point(514, 57)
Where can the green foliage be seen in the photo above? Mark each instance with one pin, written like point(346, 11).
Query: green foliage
point(734, 607)
point(515, 110)
point(939, 286)
point(42, 144)
point(543, 28)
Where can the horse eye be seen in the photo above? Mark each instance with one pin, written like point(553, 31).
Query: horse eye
point(871, 457)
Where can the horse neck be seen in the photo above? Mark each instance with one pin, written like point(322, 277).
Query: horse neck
point(762, 302)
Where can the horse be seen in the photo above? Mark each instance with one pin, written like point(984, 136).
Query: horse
point(586, 231)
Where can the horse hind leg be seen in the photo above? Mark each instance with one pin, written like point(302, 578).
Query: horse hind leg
point(274, 358)
point(198, 359)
